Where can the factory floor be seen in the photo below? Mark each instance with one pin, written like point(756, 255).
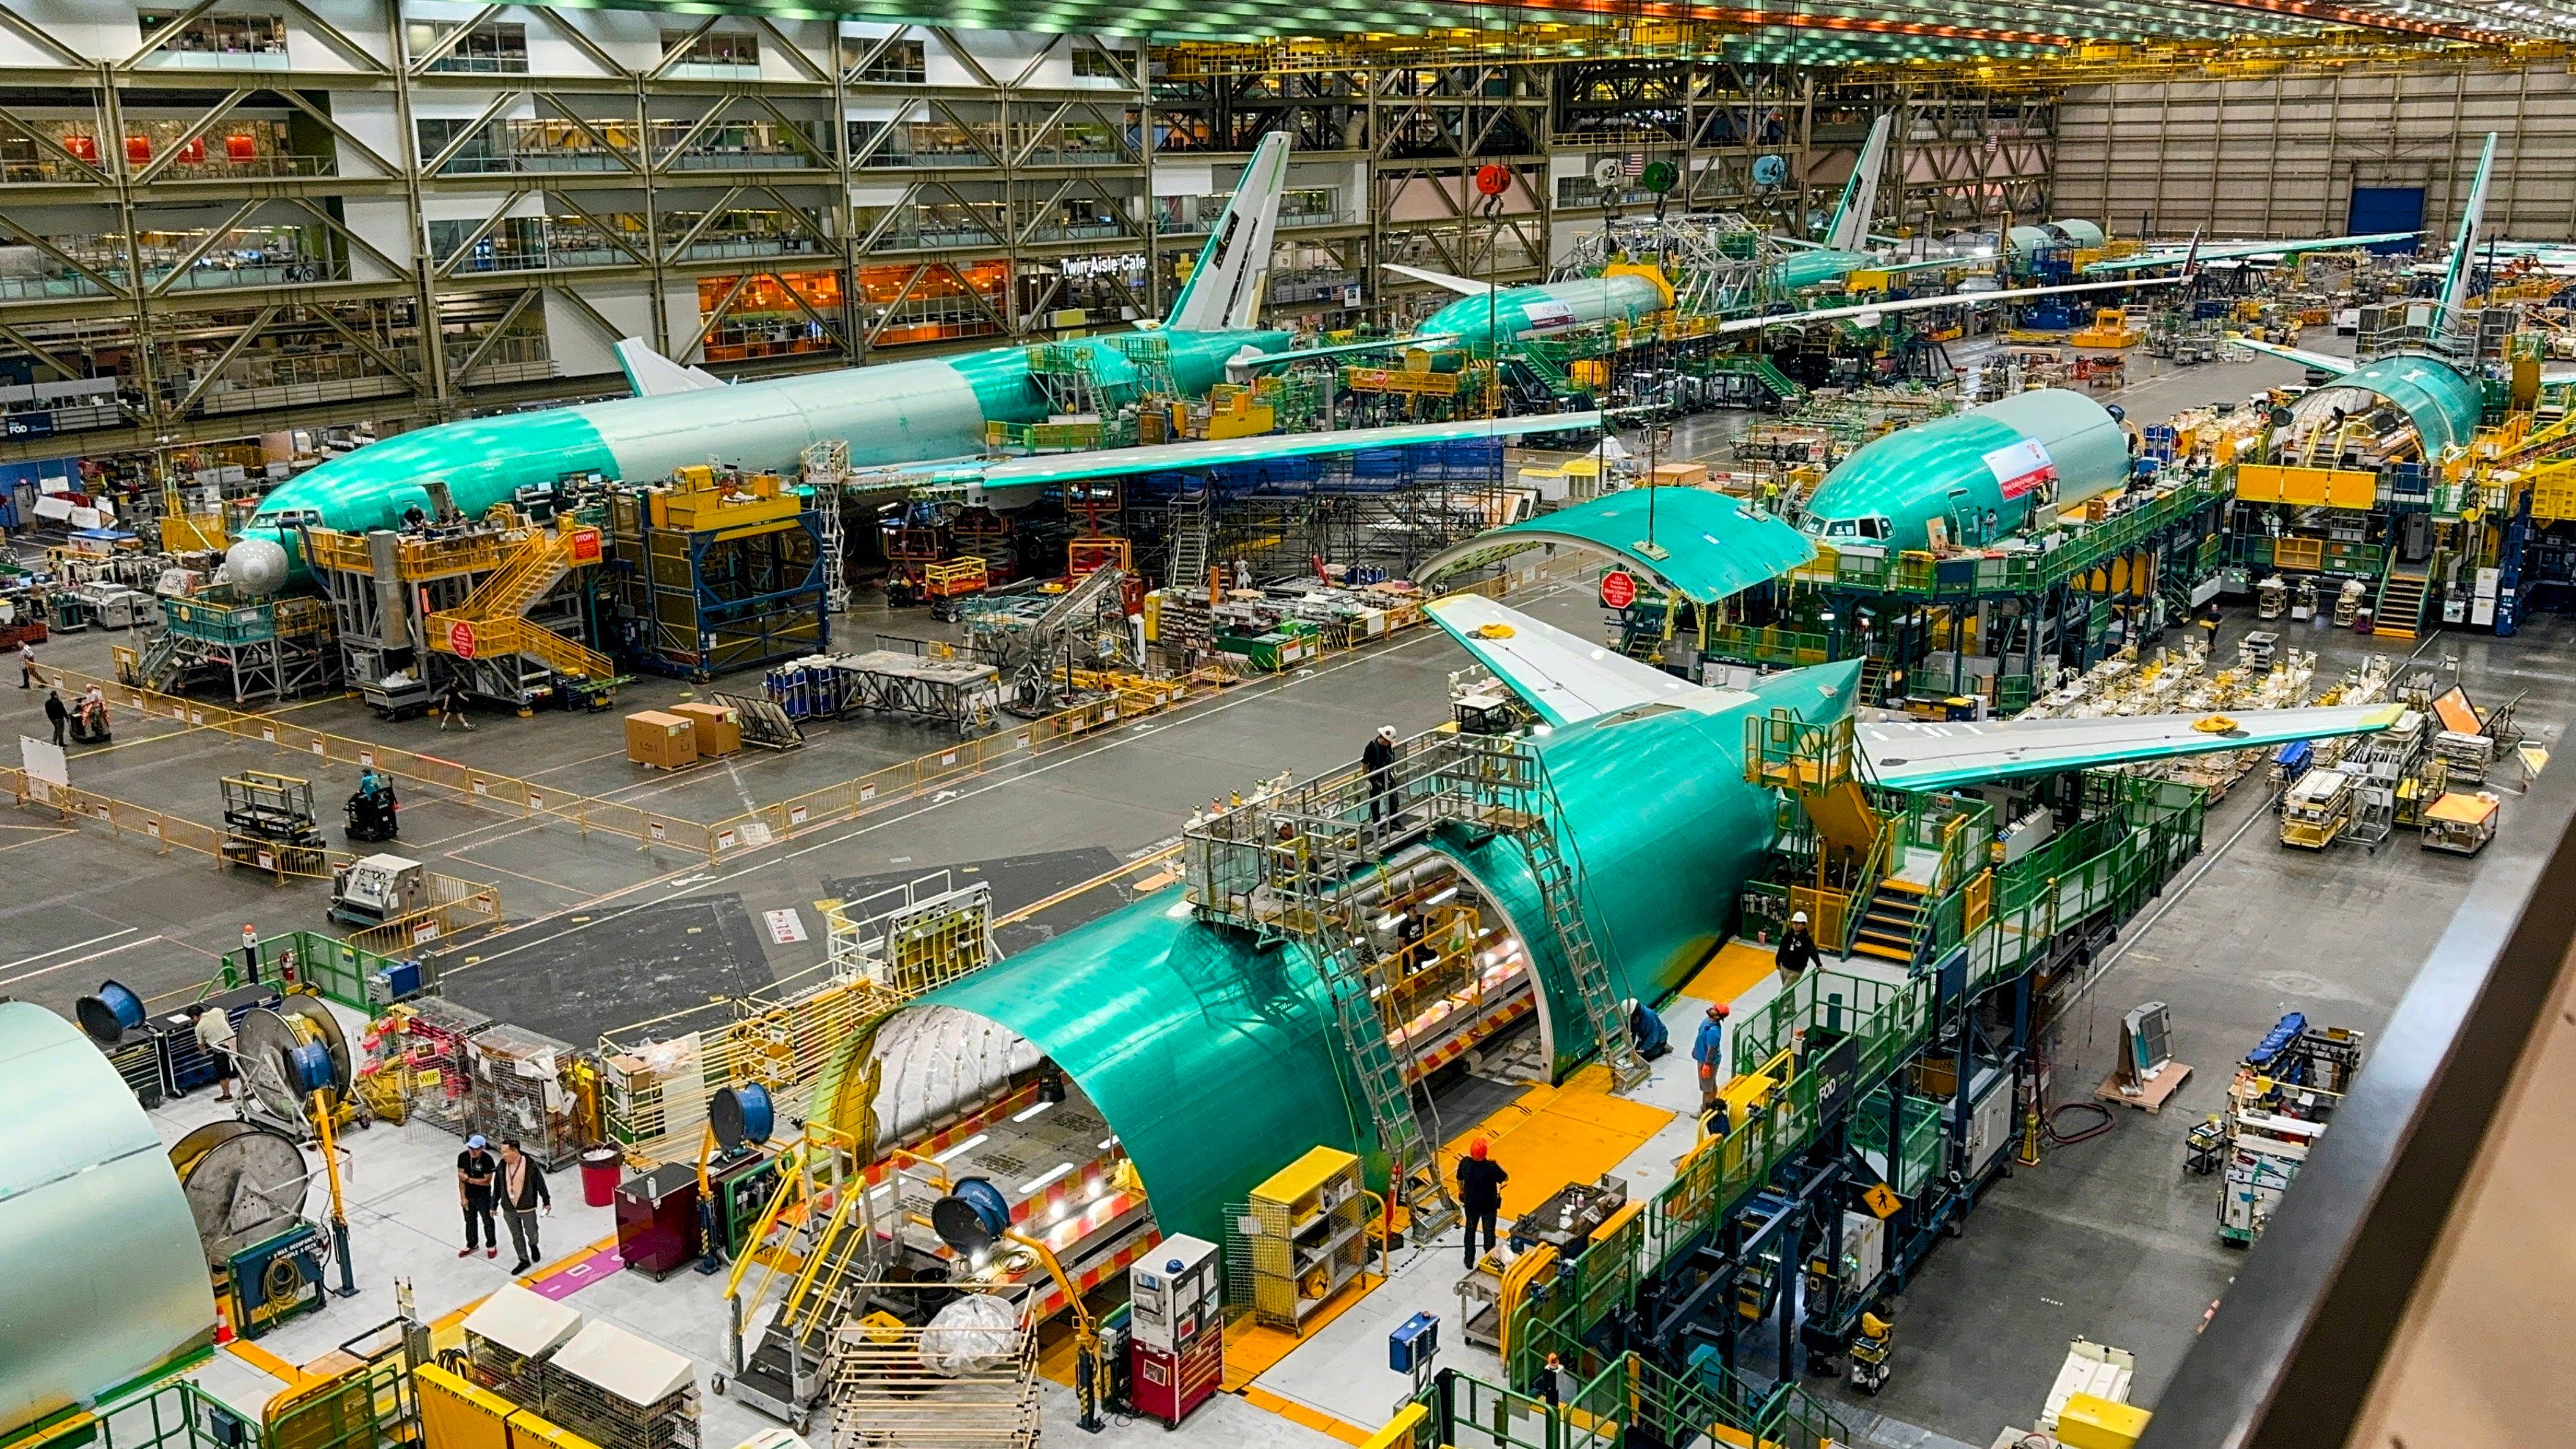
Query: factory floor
point(2106, 1239)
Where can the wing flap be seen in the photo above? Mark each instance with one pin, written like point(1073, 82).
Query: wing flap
point(1566, 679)
point(1922, 756)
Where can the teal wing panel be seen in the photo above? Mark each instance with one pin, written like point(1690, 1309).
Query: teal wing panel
point(1701, 544)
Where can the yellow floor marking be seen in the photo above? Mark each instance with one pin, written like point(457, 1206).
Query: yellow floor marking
point(1252, 1350)
point(1552, 1136)
point(1737, 968)
point(1296, 1413)
point(266, 1362)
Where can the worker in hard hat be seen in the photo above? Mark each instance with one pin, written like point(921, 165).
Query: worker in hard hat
point(1378, 758)
point(1480, 1195)
point(1646, 1030)
point(1796, 951)
point(1709, 1050)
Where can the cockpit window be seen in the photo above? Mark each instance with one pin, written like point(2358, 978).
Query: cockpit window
point(1842, 528)
point(1873, 527)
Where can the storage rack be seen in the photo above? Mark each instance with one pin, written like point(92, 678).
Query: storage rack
point(607, 1418)
point(437, 1061)
point(1310, 1237)
point(510, 1338)
point(513, 1091)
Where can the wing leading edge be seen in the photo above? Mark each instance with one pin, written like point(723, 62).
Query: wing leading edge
point(1911, 756)
point(1566, 679)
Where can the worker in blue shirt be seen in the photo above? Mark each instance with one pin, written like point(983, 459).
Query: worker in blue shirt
point(1646, 1031)
point(1709, 1050)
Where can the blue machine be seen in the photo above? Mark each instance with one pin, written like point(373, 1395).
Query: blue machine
point(1413, 1344)
point(2292, 760)
point(275, 1280)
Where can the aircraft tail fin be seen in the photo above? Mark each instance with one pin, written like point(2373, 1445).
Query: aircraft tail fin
point(2464, 246)
point(2191, 258)
point(1849, 230)
point(650, 374)
point(1448, 281)
point(1226, 288)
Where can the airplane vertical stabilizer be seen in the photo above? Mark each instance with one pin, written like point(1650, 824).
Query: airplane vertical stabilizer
point(2464, 246)
point(1849, 230)
point(1225, 289)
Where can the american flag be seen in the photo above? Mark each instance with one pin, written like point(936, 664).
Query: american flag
point(1633, 163)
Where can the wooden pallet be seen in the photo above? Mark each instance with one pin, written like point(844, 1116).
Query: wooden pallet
point(2152, 1097)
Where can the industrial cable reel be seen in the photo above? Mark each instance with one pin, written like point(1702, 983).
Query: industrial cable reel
point(244, 1183)
point(289, 1052)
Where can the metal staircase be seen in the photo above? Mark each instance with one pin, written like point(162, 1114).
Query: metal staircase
point(1188, 531)
point(1296, 863)
point(492, 617)
point(1892, 921)
point(2400, 610)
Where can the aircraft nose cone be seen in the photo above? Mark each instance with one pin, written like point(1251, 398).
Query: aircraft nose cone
point(255, 567)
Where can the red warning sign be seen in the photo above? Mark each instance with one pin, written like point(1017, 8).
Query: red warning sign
point(460, 639)
point(1618, 588)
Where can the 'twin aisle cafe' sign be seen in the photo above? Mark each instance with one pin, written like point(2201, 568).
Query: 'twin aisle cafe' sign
point(2022, 467)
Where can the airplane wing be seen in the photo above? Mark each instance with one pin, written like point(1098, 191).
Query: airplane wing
point(1160, 457)
point(2169, 257)
point(650, 374)
point(1911, 304)
point(1301, 354)
point(1463, 286)
point(1565, 678)
point(2314, 361)
point(1921, 756)
point(1929, 264)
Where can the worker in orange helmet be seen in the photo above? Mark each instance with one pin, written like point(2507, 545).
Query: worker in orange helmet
point(1708, 1049)
point(1480, 1195)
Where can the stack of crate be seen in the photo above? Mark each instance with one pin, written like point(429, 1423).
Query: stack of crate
point(510, 1337)
point(1309, 1238)
point(515, 1092)
point(620, 1392)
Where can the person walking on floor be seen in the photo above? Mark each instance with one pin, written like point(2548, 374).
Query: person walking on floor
point(57, 715)
point(28, 678)
point(523, 1192)
point(1379, 760)
point(1709, 1050)
point(1480, 1195)
point(451, 708)
point(476, 1171)
point(215, 1039)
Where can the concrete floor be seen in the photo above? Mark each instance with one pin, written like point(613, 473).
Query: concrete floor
point(2106, 1239)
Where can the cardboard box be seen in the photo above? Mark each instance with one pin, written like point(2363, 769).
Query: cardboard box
point(664, 741)
point(1681, 475)
point(719, 728)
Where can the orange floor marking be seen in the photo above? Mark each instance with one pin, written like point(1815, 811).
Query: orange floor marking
point(1551, 1136)
point(266, 1362)
point(1252, 1350)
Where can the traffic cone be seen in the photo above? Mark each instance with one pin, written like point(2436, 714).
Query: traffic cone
point(223, 1319)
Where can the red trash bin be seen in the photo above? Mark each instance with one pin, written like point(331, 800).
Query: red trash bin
point(601, 1167)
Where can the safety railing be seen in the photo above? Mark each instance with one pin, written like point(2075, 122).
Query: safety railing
point(341, 971)
point(167, 1415)
point(455, 907)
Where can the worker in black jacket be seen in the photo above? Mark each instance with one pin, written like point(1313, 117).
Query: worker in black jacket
point(1797, 951)
point(57, 714)
point(522, 1186)
point(1379, 760)
point(1480, 1195)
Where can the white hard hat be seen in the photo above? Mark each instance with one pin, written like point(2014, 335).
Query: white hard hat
point(1387, 730)
point(1797, 918)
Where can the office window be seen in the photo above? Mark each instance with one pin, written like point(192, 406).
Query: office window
point(1090, 61)
point(494, 48)
point(216, 34)
point(716, 47)
point(902, 62)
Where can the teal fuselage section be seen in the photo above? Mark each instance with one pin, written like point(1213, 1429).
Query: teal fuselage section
point(1974, 465)
point(1800, 270)
point(897, 412)
point(1214, 1054)
point(1514, 314)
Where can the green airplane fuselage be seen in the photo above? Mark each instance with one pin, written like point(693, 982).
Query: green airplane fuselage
point(898, 412)
point(1978, 473)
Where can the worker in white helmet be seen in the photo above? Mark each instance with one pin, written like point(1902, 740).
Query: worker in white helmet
point(1378, 758)
point(1796, 952)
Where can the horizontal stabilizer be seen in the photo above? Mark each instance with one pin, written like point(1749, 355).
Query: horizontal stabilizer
point(651, 374)
point(2323, 362)
point(1566, 679)
point(1463, 286)
point(1249, 361)
point(1921, 756)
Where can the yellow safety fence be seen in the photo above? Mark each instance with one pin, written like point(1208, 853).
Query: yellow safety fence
point(762, 825)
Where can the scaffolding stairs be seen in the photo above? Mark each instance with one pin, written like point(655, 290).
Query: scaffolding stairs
point(787, 1369)
point(494, 619)
point(1764, 374)
point(1873, 680)
point(160, 665)
point(1892, 921)
point(1295, 863)
point(2400, 610)
point(1191, 547)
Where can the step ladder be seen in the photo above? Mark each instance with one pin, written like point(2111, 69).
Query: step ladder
point(1873, 680)
point(786, 1371)
point(160, 665)
point(1333, 938)
point(2400, 611)
point(1188, 531)
point(1891, 923)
